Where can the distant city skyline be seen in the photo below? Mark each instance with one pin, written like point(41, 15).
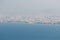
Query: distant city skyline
point(29, 7)
point(30, 19)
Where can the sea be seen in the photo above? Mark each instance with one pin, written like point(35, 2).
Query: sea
point(16, 31)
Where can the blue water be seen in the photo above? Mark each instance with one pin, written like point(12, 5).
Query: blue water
point(13, 31)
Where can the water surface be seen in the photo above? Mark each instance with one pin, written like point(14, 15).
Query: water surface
point(13, 31)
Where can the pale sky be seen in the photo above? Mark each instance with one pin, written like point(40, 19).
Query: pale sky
point(29, 7)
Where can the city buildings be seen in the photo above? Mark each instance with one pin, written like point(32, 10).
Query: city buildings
point(31, 19)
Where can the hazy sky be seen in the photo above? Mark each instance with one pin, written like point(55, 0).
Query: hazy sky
point(29, 7)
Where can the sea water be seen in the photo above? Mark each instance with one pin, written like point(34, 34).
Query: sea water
point(14, 31)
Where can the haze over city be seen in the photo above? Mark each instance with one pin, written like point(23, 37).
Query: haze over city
point(29, 7)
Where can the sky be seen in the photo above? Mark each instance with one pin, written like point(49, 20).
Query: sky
point(29, 7)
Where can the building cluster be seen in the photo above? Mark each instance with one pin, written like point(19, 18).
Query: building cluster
point(31, 19)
